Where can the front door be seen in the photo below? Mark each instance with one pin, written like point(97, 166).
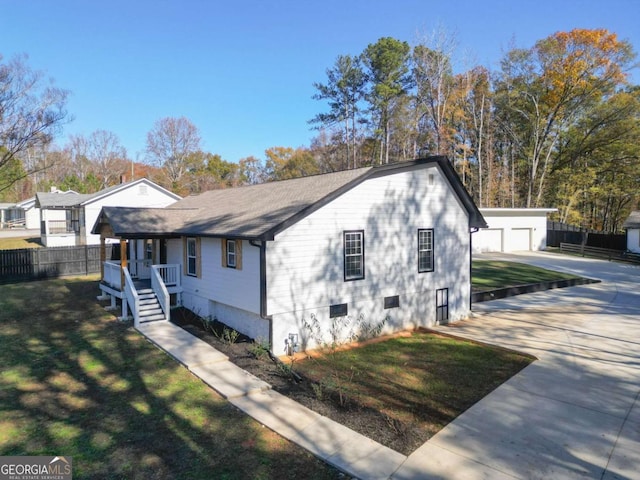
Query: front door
point(163, 251)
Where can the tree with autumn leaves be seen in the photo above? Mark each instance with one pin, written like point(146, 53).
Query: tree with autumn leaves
point(556, 125)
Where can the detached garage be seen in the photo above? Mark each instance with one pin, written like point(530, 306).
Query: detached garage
point(512, 230)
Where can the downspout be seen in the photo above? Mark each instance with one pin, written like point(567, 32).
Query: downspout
point(472, 230)
point(263, 286)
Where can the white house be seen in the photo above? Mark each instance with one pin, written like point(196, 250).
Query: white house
point(512, 230)
point(66, 218)
point(388, 243)
point(20, 215)
point(632, 226)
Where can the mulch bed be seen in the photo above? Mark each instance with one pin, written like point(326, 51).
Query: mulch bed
point(369, 422)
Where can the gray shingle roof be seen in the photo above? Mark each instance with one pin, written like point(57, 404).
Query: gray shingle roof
point(61, 199)
point(261, 211)
point(254, 211)
point(134, 222)
point(633, 220)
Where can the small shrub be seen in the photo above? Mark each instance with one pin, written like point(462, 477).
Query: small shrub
point(318, 390)
point(259, 348)
point(230, 336)
point(285, 370)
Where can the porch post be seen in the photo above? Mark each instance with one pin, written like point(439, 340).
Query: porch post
point(123, 260)
point(103, 256)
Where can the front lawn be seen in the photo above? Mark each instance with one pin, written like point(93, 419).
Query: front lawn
point(419, 383)
point(14, 243)
point(76, 382)
point(398, 391)
point(491, 275)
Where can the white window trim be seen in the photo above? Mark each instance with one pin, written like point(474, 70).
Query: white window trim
point(427, 251)
point(231, 255)
point(360, 276)
point(194, 256)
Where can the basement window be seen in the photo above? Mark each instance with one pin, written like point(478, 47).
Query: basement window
point(392, 302)
point(339, 310)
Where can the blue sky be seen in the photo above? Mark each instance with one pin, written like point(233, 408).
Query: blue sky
point(243, 71)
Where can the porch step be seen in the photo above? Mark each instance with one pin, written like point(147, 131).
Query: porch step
point(151, 318)
point(149, 307)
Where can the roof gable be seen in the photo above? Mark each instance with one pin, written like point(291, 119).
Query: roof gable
point(261, 211)
point(124, 186)
point(633, 220)
point(72, 199)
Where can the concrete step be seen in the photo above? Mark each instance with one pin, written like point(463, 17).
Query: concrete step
point(149, 306)
point(152, 318)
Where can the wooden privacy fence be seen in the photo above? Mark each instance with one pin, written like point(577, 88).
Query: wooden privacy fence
point(37, 263)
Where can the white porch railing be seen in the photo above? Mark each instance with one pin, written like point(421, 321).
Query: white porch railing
point(170, 274)
point(112, 274)
point(159, 288)
point(130, 298)
point(164, 279)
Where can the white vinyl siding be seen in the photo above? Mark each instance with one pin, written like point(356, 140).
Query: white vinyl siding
point(237, 288)
point(305, 263)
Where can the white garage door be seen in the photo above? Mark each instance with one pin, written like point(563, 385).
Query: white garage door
point(520, 239)
point(488, 240)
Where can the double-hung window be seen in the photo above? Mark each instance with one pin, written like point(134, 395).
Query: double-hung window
point(231, 253)
point(425, 250)
point(353, 255)
point(192, 257)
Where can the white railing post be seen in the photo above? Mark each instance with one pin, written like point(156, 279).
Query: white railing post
point(160, 289)
point(131, 297)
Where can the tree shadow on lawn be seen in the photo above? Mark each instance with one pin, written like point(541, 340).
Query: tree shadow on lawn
point(76, 382)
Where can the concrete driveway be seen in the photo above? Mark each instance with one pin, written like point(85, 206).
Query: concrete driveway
point(575, 412)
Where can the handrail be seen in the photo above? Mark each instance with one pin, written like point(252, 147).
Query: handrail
point(159, 288)
point(131, 297)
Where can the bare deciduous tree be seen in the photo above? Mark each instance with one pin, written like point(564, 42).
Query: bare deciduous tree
point(32, 111)
point(169, 145)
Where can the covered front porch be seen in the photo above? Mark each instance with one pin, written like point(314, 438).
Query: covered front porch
point(146, 285)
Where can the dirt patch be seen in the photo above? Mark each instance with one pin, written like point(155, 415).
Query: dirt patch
point(244, 353)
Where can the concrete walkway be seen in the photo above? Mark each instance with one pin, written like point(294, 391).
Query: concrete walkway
point(574, 413)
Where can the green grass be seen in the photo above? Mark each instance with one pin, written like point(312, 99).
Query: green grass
point(490, 275)
point(13, 243)
point(76, 382)
point(420, 382)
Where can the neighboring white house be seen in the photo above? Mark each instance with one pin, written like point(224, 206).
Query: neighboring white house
point(66, 218)
point(388, 243)
point(632, 226)
point(512, 230)
point(30, 213)
point(20, 215)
